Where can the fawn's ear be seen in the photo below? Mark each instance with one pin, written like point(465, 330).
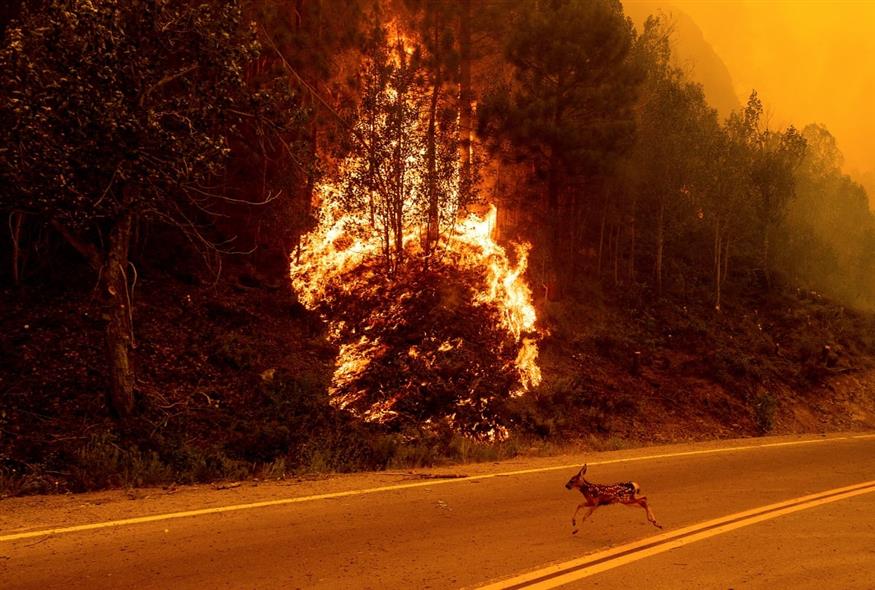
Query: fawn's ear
point(582, 469)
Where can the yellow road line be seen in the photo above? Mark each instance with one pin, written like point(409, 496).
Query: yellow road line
point(404, 486)
point(561, 574)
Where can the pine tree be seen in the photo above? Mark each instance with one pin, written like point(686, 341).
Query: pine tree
point(568, 108)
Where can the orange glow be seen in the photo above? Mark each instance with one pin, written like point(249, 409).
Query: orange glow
point(811, 61)
point(506, 289)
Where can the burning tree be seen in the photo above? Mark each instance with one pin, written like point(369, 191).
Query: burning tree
point(408, 174)
point(447, 340)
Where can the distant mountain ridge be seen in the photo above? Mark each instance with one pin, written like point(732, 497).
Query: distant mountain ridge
point(692, 53)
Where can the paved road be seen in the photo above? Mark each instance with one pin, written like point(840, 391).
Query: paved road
point(733, 519)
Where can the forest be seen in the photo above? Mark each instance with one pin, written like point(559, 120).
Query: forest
point(265, 238)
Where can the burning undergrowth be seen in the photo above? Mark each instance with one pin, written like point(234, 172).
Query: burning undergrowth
point(443, 343)
point(418, 348)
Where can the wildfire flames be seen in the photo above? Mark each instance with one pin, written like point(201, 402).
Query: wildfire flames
point(506, 288)
point(432, 322)
point(336, 267)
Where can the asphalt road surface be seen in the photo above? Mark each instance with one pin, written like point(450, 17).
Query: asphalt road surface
point(770, 513)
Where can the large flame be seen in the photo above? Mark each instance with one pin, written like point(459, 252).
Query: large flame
point(506, 289)
point(332, 251)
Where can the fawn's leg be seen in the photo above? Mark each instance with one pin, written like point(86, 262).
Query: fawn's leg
point(585, 516)
point(642, 501)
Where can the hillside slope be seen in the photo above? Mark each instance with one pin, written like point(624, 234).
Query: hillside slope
point(675, 370)
point(233, 383)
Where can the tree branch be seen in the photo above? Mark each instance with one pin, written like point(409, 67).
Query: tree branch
point(88, 251)
point(165, 80)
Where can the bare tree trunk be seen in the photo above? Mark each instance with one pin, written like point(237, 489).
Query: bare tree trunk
point(717, 264)
point(617, 254)
point(630, 273)
point(577, 219)
point(387, 240)
point(602, 236)
point(396, 207)
point(398, 217)
point(660, 245)
point(555, 284)
point(313, 154)
point(119, 339)
point(312, 129)
point(766, 262)
point(466, 111)
point(117, 301)
point(433, 225)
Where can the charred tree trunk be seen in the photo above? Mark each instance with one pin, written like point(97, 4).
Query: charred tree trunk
point(311, 133)
point(602, 235)
point(399, 234)
point(397, 213)
point(119, 315)
point(633, 235)
point(617, 239)
point(555, 284)
point(389, 234)
point(396, 206)
point(578, 221)
point(313, 155)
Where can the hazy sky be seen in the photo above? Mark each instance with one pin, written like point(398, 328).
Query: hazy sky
point(812, 61)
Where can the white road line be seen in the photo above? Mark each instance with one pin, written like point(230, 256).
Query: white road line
point(404, 486)
point(561, 574)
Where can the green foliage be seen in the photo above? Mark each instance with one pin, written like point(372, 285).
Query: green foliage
point(566, 110)
point(827, 241)
point(135, 109)
point(765, 406)
point(124, 112)
point(568, 407)
point(120, 107)
point(102, 462)
point(573, 88)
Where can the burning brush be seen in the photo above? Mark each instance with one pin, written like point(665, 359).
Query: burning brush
point(449, 342)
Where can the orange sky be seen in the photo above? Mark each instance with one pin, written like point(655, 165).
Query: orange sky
point(812, 61)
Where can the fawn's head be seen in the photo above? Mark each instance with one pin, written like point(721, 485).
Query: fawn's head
point(575, 481)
